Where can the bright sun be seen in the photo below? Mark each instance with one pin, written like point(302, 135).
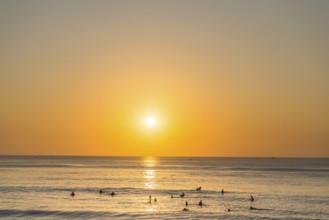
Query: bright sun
point(150, 121)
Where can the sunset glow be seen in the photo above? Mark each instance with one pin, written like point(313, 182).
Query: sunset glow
point(164, 78)
point(164, 109)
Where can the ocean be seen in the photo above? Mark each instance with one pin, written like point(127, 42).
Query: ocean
point(39, 187)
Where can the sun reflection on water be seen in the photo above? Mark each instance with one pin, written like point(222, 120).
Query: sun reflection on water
point(149, 179)
point(150, 208)
point(149, 175)
point(149, 161)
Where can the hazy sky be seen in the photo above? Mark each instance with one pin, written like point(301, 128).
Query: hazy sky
point(221, 78)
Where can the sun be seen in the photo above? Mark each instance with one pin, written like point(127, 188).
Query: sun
point(150, 121)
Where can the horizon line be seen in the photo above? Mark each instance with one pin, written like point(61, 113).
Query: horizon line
point(66, 155)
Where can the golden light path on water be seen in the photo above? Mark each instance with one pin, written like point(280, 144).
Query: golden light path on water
point(149, 176)
point(149, 173)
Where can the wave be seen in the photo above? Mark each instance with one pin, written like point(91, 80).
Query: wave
point(273, 169)
point(61, 214)
point(45, 214)
point(183, 168)
point(48, 214)
point(106, 190)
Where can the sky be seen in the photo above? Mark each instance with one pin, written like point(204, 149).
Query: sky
point(217, 78)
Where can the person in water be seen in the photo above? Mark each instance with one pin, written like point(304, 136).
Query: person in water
point(182, 195)
point(72, 194)
point(200, 203)
point(222, 191)
point(252, 198)
point(186, 204)
point(101, 191)
point(112, 194)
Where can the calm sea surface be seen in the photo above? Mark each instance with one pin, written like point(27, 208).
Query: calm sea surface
point(40, 187)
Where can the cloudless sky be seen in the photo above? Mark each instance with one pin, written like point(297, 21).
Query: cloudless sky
point(221, 78)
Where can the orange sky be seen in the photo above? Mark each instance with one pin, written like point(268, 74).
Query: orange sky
point(222, 78)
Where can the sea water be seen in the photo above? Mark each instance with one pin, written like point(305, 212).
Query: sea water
point(39, 187)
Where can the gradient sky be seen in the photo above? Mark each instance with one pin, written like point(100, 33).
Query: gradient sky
point(222, 78)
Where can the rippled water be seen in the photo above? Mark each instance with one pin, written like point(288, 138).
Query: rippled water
point(40, 187)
